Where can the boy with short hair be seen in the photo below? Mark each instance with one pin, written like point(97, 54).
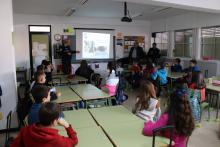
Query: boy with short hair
point(41, 94)
point(193, 66)
point(177, 66)
point(44, 133)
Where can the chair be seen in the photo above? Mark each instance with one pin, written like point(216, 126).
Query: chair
point(8, 139)
point(161, 129)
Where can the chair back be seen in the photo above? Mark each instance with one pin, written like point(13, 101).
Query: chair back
point(8, 127)
point(157, 131)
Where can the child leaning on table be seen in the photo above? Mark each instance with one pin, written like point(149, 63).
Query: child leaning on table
point(44, 133)
point(147, 106)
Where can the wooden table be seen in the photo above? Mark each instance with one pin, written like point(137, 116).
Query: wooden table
point(129, 134)
point(91, 137)
point(216, 89)
point(79, 119)
point(59, 79)
point(67, 95)
point(106, 116)
point(77, 79)
point(88, 92)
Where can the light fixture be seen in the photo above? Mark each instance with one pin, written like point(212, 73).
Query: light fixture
point(70, 12)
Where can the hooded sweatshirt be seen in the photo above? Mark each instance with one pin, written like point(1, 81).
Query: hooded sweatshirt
point(162, 74)
point(35, 136)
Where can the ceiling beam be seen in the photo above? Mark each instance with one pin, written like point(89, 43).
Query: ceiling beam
point(211, 6)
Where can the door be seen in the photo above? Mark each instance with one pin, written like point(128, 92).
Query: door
point(40, 48)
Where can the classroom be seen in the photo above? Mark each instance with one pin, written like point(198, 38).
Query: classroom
point(110, 73)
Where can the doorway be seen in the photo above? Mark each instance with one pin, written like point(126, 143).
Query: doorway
point(40, 45)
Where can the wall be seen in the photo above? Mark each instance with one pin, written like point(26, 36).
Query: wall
point(21, 23)
point(191, 21)
point(7, 62)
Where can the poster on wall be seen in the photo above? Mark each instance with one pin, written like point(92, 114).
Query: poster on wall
point(130, 40)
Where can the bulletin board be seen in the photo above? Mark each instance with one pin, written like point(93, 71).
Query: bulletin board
point(129, 42)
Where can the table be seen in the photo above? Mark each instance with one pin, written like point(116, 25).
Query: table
point(106, 116)
point(67, 95)
point(91, 137)
point(175, 76)
point(78, 119)
point(89, 92)
point(77, 79)
point(59, 79)
point(129, 134)
point(214, 88)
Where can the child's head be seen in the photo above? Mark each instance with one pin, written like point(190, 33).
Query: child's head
point(41, 94)
point(110, 66)
point(177, 61)
point(193, 63)
point(147, 91)
point(83, 64)
point(40, 68)
point(49, 114)
point(180, 113)
point(41, 77)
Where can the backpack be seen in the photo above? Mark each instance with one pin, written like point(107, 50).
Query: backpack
point(195, 104)
point(120, 95)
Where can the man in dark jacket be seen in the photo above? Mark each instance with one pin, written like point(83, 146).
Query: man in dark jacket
point(154, 53)
point(136, 52)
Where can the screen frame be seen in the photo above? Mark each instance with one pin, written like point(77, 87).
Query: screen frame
point(97, 60)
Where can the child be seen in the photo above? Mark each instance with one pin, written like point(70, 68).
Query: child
point(193, 66)
point(136, 74)
point(41, 80)
point(147, 104)
point(160, 74)
point(41, 94)
point(84, 70)
point(112, 80)
point(48, 68)
point(179, 115)
point(176, 67)
point(197, 81)
point(44, 134)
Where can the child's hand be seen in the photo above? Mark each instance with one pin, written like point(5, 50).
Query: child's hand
point(58, 94)
point(63, 123)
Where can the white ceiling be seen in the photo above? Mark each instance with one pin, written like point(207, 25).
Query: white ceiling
point(93, 8)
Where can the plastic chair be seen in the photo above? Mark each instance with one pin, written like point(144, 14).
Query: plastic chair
point(161, 129)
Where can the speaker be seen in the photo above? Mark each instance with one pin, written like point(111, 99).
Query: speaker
point(153, 35)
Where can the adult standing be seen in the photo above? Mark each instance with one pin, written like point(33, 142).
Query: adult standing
point(67, 57)
point(154, 53)
point(136, 52)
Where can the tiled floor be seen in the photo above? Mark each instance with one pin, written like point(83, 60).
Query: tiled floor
point(204, 136)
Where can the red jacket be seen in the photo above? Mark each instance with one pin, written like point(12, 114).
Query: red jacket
point(35, 136)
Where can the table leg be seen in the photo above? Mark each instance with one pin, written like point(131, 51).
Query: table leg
point(217, 119)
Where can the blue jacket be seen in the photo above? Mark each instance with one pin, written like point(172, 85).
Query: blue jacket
point(33, 116)
point(196, 68)
point(176, 68)
point(162, 74)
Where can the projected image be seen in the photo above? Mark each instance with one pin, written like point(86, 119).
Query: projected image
point(96, 45)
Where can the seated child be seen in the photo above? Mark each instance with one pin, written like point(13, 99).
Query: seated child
point(179, 114)
point(136, 74)
point(160, 74)
point(41, 94)
point(197, 81)
point(48, 68)
point(176, 67)
point(193, 66)
point(112, 80)
point(44, 133)
point(84, 70)
point(41, 80)
point(147, 105)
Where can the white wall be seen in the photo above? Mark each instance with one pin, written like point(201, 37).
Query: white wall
point(191, 21)
point(21, 22)
point(7, 62)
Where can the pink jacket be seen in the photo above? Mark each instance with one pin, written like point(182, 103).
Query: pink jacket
point(180, 141)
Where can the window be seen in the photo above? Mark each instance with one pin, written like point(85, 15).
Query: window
point(183, 43)
point(39, 28)
point(162, 42)
point(210, 43)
